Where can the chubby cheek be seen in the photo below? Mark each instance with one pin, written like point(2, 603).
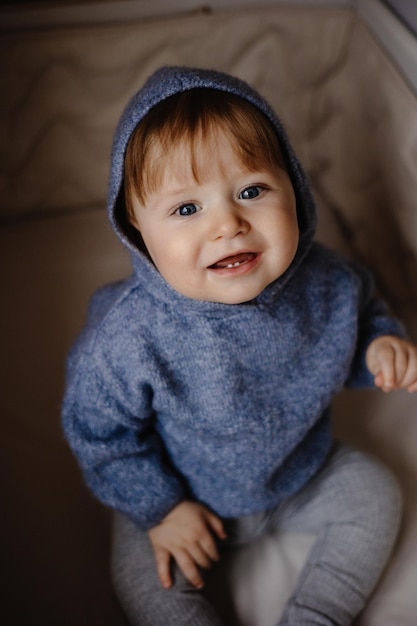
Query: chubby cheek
point(288, 240)
point(292, 242)
point(174, 260)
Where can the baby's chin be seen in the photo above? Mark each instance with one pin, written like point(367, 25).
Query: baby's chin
point(226, 296)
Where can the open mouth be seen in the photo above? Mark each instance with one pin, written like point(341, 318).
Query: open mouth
point(236, 260)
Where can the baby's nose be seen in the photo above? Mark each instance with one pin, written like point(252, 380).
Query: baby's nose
point(228, 222)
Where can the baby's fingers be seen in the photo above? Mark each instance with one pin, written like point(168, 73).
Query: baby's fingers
point(405, 366)
point(216, 525)
point(205, 552)
point(189, 568)
point(409, 380)
point(163, 558)
point(393, 361)
point(388, 365)
point(412, 388)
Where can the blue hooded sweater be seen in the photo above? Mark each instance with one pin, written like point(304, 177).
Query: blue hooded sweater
point(170, 398)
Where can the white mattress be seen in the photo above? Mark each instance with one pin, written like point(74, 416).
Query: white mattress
point(352, 116)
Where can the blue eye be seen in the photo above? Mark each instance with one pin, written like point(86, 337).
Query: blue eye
point(185, 210)
point(251, 192)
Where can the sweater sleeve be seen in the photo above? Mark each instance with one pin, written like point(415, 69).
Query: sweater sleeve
point(374, 321)
point(108, 421)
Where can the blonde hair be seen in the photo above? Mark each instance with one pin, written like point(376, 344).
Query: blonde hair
point(188, 119)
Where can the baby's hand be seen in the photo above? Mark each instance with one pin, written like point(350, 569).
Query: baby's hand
point(393, 363)
point(186, 534)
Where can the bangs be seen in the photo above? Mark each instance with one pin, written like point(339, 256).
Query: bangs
point(171, 137)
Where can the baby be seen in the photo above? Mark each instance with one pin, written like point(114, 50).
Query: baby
point(198, 394)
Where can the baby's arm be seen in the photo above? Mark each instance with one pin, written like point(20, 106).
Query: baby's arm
point(393, 363)
point(186, 534)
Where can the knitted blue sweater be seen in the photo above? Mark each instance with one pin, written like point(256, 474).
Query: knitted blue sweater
point(170, 398)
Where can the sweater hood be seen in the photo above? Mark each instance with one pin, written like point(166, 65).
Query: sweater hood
point(167, 82)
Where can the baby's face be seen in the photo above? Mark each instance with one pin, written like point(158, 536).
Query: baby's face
point(225, 237)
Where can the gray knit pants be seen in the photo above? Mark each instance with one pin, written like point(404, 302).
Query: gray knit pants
point(352, 505)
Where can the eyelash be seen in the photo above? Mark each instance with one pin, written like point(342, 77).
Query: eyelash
point(259, 188)
point(185, 205)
